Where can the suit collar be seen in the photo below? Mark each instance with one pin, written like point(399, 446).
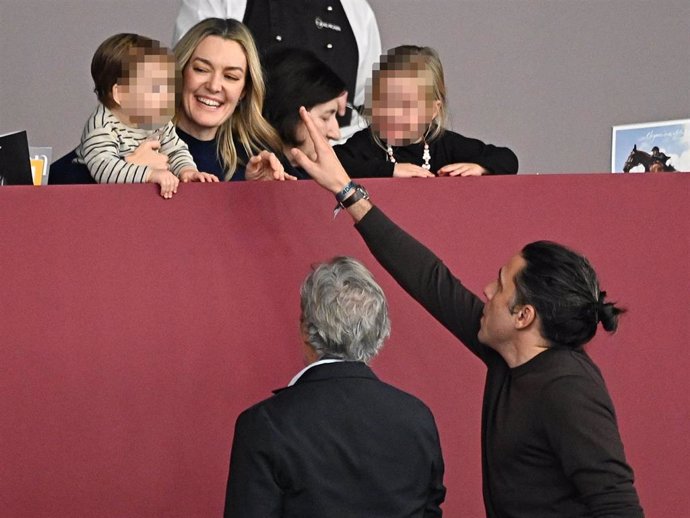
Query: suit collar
point(311, 366)
point(327, 371)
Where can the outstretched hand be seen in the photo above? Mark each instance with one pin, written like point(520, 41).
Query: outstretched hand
point(266, 166)
point(324, 167)
point(192, 175)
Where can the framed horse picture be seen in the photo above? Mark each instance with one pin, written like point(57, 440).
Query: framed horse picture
point(651, 147)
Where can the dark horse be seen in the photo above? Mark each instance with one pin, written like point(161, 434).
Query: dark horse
point(650, 162)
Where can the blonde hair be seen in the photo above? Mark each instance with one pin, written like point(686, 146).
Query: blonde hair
point(415, 60)
point(246, 123)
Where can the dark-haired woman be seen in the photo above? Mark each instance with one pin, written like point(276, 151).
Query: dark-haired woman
point(294, 78)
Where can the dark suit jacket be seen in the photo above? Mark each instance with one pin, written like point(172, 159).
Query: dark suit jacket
point(338, 443)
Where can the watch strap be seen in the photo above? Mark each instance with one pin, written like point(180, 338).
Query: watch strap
point(359, 194)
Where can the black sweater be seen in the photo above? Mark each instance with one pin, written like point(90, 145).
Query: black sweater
point(362, 157)
point(550, 442)
point(205, 155)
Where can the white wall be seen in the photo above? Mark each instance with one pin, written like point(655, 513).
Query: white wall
point(545, 77)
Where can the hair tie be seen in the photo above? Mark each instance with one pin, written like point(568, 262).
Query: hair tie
point(602, 296)
point(600, 305)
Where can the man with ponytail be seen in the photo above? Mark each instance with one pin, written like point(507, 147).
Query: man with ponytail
point(550, 441)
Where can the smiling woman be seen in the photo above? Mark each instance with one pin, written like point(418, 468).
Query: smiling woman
point(219, 108)
point(213, 84)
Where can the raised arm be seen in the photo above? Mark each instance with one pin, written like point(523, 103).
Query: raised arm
point(414, 267)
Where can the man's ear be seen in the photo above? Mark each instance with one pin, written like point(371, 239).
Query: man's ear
point(525, 316)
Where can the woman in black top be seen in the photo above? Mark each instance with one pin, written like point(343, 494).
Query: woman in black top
point(294, 78)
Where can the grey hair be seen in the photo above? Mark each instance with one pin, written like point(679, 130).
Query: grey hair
point(344, 310)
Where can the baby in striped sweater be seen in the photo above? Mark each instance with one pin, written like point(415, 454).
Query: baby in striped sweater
point(130, 136)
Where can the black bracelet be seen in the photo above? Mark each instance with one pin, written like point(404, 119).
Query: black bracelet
point(359, 194)
point(339, 197)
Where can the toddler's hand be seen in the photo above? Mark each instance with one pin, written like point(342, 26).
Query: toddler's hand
point(410, 171)
point(166, 180)
point(462, 169)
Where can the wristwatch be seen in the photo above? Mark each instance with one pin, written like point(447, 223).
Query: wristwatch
point(359, 194)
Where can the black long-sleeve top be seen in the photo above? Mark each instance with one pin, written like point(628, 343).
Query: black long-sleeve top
point(550, 442)
point(362, 157)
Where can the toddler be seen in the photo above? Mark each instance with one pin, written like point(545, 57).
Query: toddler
point(130, 136)
point(407, 136)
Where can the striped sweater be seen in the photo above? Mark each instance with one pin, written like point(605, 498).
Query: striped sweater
point(106, 141)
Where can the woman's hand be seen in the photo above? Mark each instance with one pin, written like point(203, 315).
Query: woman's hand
point(266, 166)
point(462, 169)
point(166, 180)
point(410, 171)
point(147, 154)
point(324, 167)
point(192, 175)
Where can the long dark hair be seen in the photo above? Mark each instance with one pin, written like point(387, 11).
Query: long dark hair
point(294, 78)
point(564, 290)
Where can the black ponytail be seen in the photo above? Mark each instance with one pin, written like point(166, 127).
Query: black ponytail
point(607, 313)
point(563, 288)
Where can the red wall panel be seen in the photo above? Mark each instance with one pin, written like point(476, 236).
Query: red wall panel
point(134, 329)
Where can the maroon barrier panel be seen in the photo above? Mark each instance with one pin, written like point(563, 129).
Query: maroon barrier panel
point(134, 329)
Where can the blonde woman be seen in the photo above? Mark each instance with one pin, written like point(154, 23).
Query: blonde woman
point(219, 104)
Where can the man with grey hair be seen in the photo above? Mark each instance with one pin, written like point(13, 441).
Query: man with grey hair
point(337, 442)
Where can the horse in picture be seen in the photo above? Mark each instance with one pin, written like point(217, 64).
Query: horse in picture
point(654, 162)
